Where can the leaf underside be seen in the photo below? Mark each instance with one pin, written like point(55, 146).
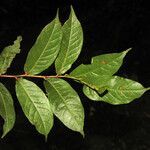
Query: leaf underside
point(65, 103)
point(46, 48)
point(8, 54)
point(6, 109)
point(71, 44)
point(35, 105)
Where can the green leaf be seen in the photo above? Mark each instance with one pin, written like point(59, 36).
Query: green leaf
point(46, 48)
point(35, 105)
point(8, 54)
point(71, 44)
point(123, 91)
point(91, 94)
point(120, 91)
point(66, 103)
point(110, 63)
point(6, 109)
point(90, 75)
point(99, 72)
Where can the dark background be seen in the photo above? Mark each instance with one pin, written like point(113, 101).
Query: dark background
point(109, 26)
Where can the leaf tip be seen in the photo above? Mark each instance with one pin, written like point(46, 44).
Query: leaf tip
point(72, 11)
point(19, 38)
point(147, 89)
point(71, 8)
point(3, 135)
point(5, 132)
point(57, 14)
point(129, 49)
point(125, 52)
point(82, 133)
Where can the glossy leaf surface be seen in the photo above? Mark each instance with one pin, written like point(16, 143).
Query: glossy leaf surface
point(46, 48)
point(35, 105)
point(99, 72)
point(66, 103)
point(91, 75)
point(120, 91)
point(71, 44)
point(91, 94)
point(110, 63)
point(8, 54)
point(6, 109)
point(123, 91)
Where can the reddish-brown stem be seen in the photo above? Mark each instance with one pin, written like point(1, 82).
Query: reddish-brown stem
point(29, 76)
point(8, 76)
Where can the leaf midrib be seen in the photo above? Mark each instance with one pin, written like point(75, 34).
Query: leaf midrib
point(65, 58)
point(64, 103)
point(34, 107)
point(44, 48)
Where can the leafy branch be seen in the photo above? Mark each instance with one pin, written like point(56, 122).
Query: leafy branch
point(30, 76)
point(61, 45)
